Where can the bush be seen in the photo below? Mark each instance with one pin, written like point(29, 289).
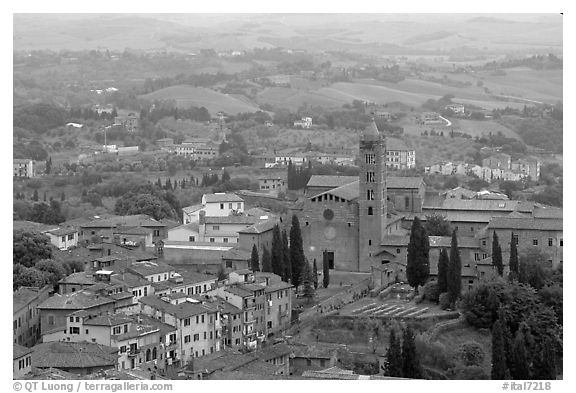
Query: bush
point(431, 292)
point(433, 354)
point(444, 300)
point(468, 373)
point(471, 354)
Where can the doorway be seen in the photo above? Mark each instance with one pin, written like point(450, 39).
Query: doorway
point(329, 259)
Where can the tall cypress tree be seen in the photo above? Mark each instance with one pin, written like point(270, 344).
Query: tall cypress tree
point(545, 362)
point(290, 176)
point(411, 367)
point(315, 274)
point(513, 258)
point(393, 366)
point(520, 367)
point(454, 270)
point(443, 262)
point(266, 261)
point(499, 365)
point(307, 281)
point(497, 255)
point(254, 259)
point(277, 251)
point(418, 265)
point(287, 273)
point(296, 251)
point(35, 196)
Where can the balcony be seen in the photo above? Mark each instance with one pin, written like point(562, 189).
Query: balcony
point(133, 353)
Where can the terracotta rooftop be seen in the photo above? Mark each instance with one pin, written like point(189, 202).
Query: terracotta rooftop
point(73, 355)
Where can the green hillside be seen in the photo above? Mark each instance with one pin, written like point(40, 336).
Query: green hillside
point(187, 96)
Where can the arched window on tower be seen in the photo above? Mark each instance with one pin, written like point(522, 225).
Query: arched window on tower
point(370, 195)
point(370, 211)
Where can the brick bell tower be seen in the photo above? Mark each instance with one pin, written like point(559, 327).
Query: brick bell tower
point(372, 195)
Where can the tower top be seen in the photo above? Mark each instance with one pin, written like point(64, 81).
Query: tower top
point(371, 132)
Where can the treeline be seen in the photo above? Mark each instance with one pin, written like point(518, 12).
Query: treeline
point(164, 109)
point(285, 258)
point(197, 80)
point(35, 263)
point(536, 62)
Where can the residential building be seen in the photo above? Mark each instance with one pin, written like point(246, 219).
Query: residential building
point(186, 282)
point(274, 185)
point(278, 306)
point(455, 108)
point(199, 330)
point(63, 238)
point(21, 361)
point(140, 340)
point(399, 155)
point(530, 233)
point(305, 122)
point(498, 161)
point(23, 168)
point(55, 310)
point(88, 357)
point(529, 167)
point(430, 118)
point(312, 357)
point(129, 121)
point(25, 315)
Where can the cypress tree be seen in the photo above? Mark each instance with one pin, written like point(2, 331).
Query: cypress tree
point(307, 281)
point(315, 274)
point(62, 197)
point(393, 363)
point(48, 165)
point(296, 251)
point(266, 261)
point(44, 198)
point(513, 259)
point(254, 259)
point(443, 263)
point(411, 367)
point(325, 272)
point(277, 251)
point(545, 362)
point(287, 273)
point(35, 196)
point(290, 176)
point(497, 255)
point(418, 266)
point(520, 368)
point(499, 366)
point(454, 271)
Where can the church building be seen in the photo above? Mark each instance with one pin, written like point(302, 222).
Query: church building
point(347, 225)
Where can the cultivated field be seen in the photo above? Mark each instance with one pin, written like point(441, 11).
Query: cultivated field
point(187, 96)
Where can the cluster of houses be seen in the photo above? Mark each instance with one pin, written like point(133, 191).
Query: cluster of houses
point(496, 167)
point(137, 304)
point(193, 148)
point(398, 156)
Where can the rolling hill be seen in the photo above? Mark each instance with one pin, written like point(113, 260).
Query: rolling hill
point(187, 96)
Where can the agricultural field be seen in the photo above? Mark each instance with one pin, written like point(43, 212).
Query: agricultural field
point(283, 138)
point(433, 149)
point(187, 96)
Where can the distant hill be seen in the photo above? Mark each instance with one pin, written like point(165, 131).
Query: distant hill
point(187, 96)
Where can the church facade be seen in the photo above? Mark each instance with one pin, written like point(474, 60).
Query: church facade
point(347, 225)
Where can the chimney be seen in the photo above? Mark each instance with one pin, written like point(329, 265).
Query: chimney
point(202, 218)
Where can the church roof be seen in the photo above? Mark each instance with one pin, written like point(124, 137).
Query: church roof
point(404, 182)
point(330, 181)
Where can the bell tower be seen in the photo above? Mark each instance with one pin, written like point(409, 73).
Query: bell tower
point(372, 195)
